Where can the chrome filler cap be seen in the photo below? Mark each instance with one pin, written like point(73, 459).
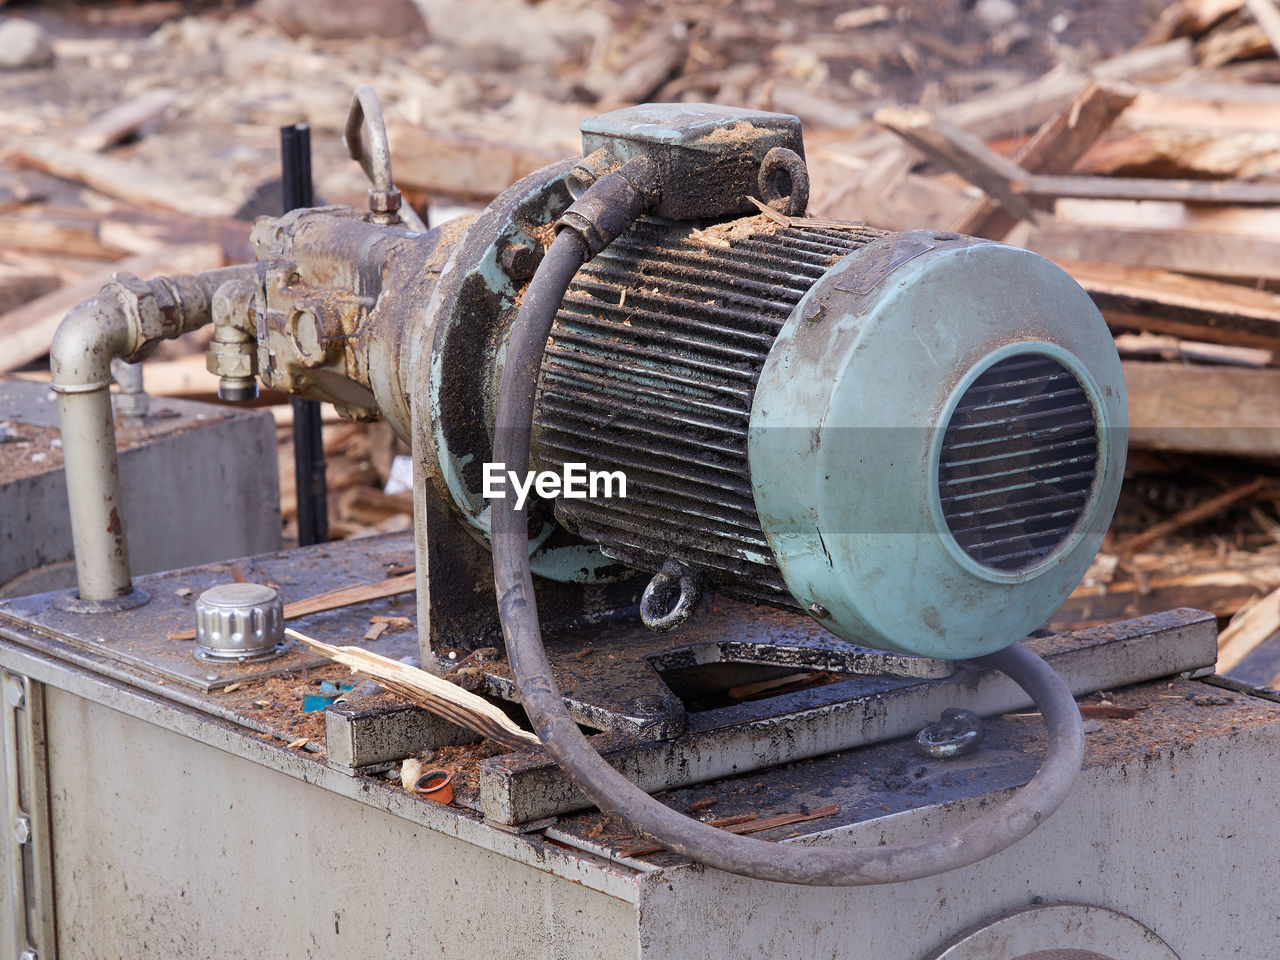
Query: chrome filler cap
point(239, 622)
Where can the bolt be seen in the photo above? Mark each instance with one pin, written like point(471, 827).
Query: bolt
point(957, 733)
point(818, 611)
point(211, 677)
point(814, 311)
point(14, 693)
point(22, 829)
point(519, 261)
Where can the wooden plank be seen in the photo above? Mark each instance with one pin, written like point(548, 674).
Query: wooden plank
point(1223, 592)
point(444, 699)
point(1248, 631)
point(1192, 515)
point(1187, 251)
point(1135, 188)
point(1169, 215)
point(1015, 111)
point(63, 236)
point(1268, 17)
point(960, 151)
point(25, 333)
point(1223, 46)
point(462, 166)
point(347, 596)
point(1216, 107)
point(1231, 411)
point(1165, 347)
point(109, 128)
point(1159, 301)
point(123, 179)
point(1054, 148)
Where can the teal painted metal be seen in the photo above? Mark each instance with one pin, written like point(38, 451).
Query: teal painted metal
point(847, 424)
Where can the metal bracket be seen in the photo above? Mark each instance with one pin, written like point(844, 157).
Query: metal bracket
point(26, 764)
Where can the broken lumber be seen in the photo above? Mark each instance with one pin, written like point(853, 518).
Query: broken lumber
point(59, 235)
point(1136, 188)
point(1054, 148)
point(1186, 251)
point(960, 151)
point(1224, 46)
point(122, 179)
point(1221, 592)
point(1229, 411)
point(1163, 346)
point(26, 333)
point(1248, 631)
point(1185, 518)
point(428, 691)
point(109, 128)
point(1159, 301)
point(461, 166)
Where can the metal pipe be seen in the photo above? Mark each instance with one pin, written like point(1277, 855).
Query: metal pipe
point(132, 399)
point(80, 359)
point(127, 319)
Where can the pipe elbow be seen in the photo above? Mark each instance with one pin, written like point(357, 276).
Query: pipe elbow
point(87, 338)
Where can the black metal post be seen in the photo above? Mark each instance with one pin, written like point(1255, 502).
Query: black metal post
point(308, 443)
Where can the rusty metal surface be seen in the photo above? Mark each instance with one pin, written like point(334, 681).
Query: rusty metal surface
point(880, 780)
point(140, 638)
point(651, 370)
point(815, 721)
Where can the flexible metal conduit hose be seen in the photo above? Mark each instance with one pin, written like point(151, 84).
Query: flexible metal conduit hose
point(609, 790)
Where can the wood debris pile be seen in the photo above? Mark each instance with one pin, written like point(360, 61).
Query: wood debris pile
point(1138, 145)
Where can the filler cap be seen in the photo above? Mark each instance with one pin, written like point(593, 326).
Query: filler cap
point(239, 622)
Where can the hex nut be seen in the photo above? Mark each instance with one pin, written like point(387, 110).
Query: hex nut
point(519, 261)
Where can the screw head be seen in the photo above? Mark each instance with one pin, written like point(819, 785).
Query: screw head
point(22, 829)
point(818, 611)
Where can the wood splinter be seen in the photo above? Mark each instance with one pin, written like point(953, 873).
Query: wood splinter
point(428, 691)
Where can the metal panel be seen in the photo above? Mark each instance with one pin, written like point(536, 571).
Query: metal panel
point(196, 853)
point(1180, 838)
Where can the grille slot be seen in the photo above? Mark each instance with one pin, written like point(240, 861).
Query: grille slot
point(1018, 463)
